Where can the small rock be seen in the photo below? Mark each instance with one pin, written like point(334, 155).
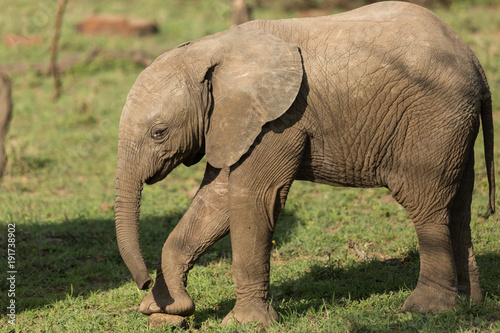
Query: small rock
point(160, 320)
point(106, 207)
point(13, 40)
point(105, 24)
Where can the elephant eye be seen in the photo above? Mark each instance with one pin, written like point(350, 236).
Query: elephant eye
point(159, 134)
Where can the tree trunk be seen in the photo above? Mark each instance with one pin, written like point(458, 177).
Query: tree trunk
point(5, 115)
point(241, 13)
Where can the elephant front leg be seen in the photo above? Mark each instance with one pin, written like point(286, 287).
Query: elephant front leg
point(258, 188)
point(251, 238)
point(205, 222)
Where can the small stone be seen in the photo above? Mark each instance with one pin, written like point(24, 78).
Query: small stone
point(13, 40)
point(105, 207)
point(106, 24)
point(160, 320)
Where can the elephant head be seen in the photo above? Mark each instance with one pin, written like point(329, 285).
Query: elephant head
point(211, 97)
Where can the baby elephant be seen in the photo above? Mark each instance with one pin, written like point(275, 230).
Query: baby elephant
point(385, 95)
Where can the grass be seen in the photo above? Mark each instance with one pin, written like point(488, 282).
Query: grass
point(59, 192)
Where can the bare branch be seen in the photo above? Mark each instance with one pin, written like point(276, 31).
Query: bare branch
point(359, 252)
point(54, 48)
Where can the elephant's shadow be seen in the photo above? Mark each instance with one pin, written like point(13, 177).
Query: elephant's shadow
point(80, 256)
point(77, 257)
point(329, 284)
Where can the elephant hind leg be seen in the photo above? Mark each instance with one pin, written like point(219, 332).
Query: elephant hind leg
point(427, 203)
point(463, 252)
point(434, 183)
point(204, 223)
point(436, 288)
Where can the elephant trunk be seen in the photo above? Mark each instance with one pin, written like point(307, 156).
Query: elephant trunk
point(127, 208)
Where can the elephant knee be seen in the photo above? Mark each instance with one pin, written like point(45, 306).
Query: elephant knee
point(261, 206)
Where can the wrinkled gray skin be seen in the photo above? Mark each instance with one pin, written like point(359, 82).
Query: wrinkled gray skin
point(385, 95)
point(5, 115)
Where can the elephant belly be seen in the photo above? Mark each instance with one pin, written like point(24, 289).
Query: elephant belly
point(349, 166)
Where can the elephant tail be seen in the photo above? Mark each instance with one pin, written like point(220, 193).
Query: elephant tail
point(487, 122)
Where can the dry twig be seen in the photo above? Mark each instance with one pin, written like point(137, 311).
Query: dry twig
point(53, 50)
point(359, 252)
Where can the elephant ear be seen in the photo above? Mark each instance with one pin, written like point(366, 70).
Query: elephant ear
point(255, 79)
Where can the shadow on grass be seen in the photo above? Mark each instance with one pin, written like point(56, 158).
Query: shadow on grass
point(80, 256)
point(335, 285)
point(327, 285)
point(338, 285)
point(77, 257)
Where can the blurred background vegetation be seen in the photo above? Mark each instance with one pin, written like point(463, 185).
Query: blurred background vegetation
point(59, 187)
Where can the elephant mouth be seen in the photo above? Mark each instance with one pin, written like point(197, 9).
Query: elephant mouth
point(155, 179)
point(165, 167)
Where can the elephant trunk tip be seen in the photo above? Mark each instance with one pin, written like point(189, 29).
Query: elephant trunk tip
point(143, 281)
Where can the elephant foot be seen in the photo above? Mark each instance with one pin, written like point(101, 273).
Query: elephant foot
point(159, 300)
point(260, 312)
point(429, 299)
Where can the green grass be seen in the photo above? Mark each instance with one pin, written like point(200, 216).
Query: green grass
point(59, 191)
